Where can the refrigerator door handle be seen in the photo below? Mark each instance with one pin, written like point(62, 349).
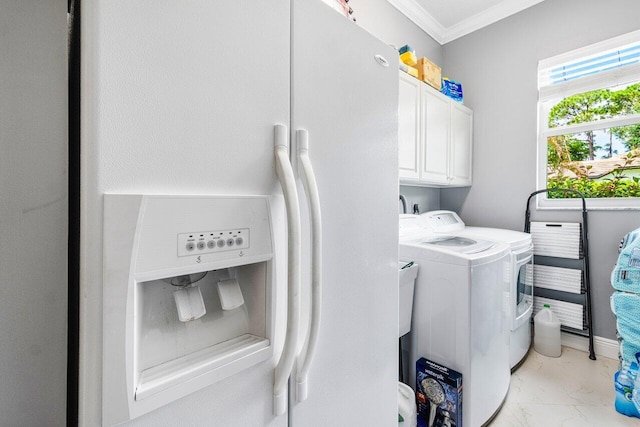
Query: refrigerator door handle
point(286, 177)
point(313, 198)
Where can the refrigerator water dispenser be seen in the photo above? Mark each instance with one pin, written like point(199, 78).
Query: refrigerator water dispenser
point(189, 288)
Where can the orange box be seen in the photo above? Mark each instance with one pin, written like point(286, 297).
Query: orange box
point(429, 73)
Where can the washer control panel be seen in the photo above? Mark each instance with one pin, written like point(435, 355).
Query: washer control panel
point(203, 242)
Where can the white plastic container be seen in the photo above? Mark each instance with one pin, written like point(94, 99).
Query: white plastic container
point(546, 339)
point(406, 279)
point(406, 406)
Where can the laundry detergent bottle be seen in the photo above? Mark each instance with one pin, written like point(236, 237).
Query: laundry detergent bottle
point(546, 339)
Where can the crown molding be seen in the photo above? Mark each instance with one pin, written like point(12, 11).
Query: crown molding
point(487, 17)
point(423, 19)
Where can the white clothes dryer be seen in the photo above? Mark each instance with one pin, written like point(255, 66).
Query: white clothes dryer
point(519, 300)
point(458, 315)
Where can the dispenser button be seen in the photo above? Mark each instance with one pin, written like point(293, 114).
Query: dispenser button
point(212, 242)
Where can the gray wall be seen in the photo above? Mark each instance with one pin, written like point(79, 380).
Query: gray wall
point(384, 21)
point(497, 67)
point(33, 212)
point(428, 199)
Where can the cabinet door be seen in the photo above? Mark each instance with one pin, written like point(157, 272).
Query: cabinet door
point(461, 145)
point(435, 151)
point(408, 128)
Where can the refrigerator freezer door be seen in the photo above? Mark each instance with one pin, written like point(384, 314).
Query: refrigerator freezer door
point(347, 101)
point(179, 98)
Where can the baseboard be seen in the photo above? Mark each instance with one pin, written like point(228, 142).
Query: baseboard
point(604, 347)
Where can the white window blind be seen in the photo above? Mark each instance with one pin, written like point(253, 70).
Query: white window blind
point(610, 63)
point(599, 63)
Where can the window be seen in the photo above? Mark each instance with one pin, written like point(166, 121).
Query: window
point(589, 124)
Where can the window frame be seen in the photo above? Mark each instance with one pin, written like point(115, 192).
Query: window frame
point(606, 79)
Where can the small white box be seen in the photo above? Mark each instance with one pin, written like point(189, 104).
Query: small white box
point(406, 281)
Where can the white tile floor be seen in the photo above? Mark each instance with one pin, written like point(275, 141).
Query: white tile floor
point(568, 391)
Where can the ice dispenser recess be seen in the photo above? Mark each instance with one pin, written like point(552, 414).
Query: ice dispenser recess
point(188, 296)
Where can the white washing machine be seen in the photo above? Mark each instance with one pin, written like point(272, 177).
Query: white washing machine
point(458, 315)
point(519, 299)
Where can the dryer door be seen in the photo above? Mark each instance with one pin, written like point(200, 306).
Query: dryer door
point(522, 294)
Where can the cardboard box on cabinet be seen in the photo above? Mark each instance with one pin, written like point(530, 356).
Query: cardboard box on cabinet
point(429, 73)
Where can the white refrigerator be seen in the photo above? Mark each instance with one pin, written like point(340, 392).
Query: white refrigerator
point(188, 100)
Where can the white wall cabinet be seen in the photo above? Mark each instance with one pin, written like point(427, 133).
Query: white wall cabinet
point(435, 137)
point(435, 117)
point(409, 128)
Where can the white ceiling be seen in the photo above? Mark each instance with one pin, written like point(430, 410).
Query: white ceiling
point(446, 20)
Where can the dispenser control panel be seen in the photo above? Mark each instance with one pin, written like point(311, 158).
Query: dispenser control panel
point(203, 242)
